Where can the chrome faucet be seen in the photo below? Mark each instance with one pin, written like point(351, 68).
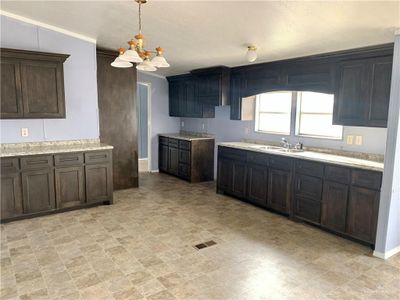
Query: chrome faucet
point(285, 144)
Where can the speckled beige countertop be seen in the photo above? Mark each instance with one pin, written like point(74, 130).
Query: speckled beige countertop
point(187, 136)
point(24, 149)
point(310, 155)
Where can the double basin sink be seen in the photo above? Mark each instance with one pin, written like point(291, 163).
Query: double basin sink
point(275, 148)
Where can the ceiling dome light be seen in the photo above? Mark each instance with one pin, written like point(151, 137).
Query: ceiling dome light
point(251, 54)
point(159, 61)
point(119, 63)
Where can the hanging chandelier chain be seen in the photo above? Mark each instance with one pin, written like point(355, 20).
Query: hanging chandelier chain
point(140, 17)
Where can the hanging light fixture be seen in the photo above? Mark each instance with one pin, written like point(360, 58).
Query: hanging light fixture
point(251, 54)
point(137, 54)
point(119, 62)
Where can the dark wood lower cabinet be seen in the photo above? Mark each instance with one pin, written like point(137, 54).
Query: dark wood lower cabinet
point(334, 206)
point(173, 160)
point(11, 195)
point(362, 214)
point(163, 158)
point(70, 186)
point(38, 190)
point(279, 190)
point(40, 184)
point(98, 183)
point(257, 185)
point(340, 199)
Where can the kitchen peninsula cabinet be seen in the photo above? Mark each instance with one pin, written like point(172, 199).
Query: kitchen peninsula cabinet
point(33, 185)
point(340, 199)
point(188, 157)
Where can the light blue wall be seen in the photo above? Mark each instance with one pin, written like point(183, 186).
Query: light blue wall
point(160, 121)
point(142, 112)
point(388, 232)
point(80, 82)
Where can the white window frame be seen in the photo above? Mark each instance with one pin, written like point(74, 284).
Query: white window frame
point(297, 126)
point(257, 113)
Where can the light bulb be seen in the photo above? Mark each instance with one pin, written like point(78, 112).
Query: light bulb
point(251, 54)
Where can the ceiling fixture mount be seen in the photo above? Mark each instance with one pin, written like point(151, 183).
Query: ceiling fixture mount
point(251, 54)
point(137, 54)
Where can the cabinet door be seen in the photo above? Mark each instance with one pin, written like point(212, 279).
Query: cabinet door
point(193, 107)
point(351, 95)
point(257, 184)
point(42, 89)
point(69, 187)
point(98, 180)
point(334, 205)
point(11, 100)
point(163, 158)
point(308, 186)
point(307, 209)
point(362, 214)
point(279, 190)
point(11, 195)
point(173, 160)
point(38, 190)
point(236, 97)
point(174, 98)
point(379, 93)
point(239, 179)
point(224, 176)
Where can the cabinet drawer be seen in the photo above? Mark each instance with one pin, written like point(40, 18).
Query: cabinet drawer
point(184, 145)
point(308, 186)
point(309, 168)
point(68, 159)
point(184, 156)
point(257, 158)
point(163, 140)
point(36, 162)
point(338, 174)
point(367, 179)
point(173, 142)
point(231, 153)
point(9, 165)
point(97, 157)
point(308, 209)
point(282, 163)
point(184, 170)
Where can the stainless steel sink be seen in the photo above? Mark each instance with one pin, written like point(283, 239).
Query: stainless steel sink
point(264, 147)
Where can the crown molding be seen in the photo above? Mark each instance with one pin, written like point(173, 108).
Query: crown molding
point(48, 26)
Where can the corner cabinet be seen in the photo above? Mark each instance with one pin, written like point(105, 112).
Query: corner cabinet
point(32, 84)
point(195, 95)
point(363, 92)
point(41, 184)
point(339, 199)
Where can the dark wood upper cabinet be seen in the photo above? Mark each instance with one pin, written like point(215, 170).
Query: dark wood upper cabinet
point(11, 98)
point(32, 84)
point(363, 92)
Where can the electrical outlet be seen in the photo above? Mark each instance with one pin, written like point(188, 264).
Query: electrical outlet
point(359, 140)
point(203, 126)
point(349, 139)
point(24, 132)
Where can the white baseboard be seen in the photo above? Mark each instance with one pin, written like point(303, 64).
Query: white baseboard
point(387, 254)
point(143, 165)
point(154, 171)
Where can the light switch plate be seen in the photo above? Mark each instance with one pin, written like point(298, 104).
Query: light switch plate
point(349, 139)
point(24, 132)
point(359, 140)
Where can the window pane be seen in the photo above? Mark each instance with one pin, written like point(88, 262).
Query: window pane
point(319, 125)
point(316, 102)
point(276, 123)
point(275, 102)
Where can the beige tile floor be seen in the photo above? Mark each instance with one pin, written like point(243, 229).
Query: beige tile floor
point(142, 248)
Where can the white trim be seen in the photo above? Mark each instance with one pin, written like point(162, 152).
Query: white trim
point(48, 26)
point(387, 254)
point(152, 74)
point(397, 31)
point(149, 154)
point(154, 171)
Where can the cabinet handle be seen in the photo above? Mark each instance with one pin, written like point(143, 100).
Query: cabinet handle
point(298, 184)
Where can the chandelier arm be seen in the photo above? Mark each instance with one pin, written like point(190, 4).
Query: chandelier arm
point(140, 17)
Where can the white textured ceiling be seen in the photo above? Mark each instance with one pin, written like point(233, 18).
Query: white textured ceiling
point(205, 33)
